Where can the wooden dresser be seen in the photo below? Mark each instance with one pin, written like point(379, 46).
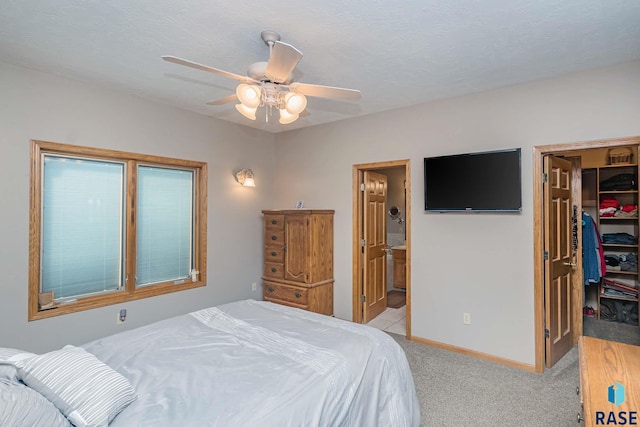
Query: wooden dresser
point(604, 364)
point(298, 259)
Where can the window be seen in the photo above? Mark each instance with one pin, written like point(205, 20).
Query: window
point(108, 227)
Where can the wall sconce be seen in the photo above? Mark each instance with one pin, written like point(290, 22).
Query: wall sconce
point(245, 178)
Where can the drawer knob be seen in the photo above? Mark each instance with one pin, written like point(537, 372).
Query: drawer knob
point(270, 289)
point(273, 269)
point(274, 253)
point(298, 294)
point(274, 237)
point(274, 221)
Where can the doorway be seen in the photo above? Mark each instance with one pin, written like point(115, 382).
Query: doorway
point(379, 233)
point(540, 155)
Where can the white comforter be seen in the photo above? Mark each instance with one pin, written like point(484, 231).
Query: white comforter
point(252, 363)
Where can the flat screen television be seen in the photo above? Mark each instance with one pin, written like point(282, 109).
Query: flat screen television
point(473, 182)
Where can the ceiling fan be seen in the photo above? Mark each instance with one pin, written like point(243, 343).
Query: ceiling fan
point(270, 84)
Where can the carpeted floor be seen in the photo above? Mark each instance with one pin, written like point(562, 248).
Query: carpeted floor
point(396, 299)
point(612, 331)
point(458, 390)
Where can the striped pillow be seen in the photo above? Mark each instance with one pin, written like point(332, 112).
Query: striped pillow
point(84, 389)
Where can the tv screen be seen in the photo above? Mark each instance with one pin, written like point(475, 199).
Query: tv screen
point(475, 182)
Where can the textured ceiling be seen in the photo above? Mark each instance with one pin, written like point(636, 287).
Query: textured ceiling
point(398, 53)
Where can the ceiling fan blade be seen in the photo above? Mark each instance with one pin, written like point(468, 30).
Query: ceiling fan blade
point(226, 99)
point(325, 91)
point(197, 66)
point(282, 61)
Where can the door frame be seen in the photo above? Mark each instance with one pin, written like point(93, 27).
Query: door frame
point(357, 221)
point(538, 237)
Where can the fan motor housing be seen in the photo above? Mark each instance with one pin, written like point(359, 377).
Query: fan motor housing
point(258, 71)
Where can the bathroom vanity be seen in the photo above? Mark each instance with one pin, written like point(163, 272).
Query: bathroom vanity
point(399, 256)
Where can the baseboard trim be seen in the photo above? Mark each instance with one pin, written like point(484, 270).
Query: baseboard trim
point(474, 353)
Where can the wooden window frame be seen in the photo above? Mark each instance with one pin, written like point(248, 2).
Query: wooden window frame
point(130, 292)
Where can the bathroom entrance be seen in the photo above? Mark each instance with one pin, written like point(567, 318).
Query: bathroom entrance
point(396, 247)
point(381, 245)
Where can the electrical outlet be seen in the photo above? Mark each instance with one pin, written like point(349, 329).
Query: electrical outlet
point(254, 286)
point(122, 316)
point(466, 318)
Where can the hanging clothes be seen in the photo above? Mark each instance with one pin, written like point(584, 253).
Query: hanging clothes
point(593, 265)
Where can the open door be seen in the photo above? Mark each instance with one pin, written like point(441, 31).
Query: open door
point(559, 259)
point(375, 242)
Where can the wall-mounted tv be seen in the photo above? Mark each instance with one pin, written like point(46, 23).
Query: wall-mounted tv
point(473, 182)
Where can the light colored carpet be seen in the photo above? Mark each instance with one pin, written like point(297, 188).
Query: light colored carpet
point(458, 390)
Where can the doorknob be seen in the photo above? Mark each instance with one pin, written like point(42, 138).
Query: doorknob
point(570, 264)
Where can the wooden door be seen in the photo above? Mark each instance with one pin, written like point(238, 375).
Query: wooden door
point(297, 259)
point(375, 242)
point(559, 260)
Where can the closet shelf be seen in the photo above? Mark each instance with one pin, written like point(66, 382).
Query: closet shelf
point(594, 194)
point(618, 191)
point(623, 272)
point(619, 245)
point(618, 218)
point(618, 165)
point(619, 298)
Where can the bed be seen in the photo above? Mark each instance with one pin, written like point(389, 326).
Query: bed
point(251, 363)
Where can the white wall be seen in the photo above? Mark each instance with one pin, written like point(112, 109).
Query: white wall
point(34, 105)
point(476, 263)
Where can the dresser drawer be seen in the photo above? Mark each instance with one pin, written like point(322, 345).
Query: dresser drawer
point(286, 293)
point(274, 222)
point(273, 238)
point(274, 254)
point(274, 270)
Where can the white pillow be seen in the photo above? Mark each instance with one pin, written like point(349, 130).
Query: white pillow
point(7, 357)
point(84, 389)
point(20, 406)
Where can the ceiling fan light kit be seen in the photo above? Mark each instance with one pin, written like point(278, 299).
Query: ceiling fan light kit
point(269, 84)
point(295, 103)
point(286, 117)
point(249, 95)
point(248, 112)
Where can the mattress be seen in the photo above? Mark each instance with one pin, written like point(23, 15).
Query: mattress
point(255, 363)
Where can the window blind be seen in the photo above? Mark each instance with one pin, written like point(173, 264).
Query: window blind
point(164, 224)
point(82, 228)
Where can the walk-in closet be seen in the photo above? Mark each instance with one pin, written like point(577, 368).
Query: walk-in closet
point(609, 241)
